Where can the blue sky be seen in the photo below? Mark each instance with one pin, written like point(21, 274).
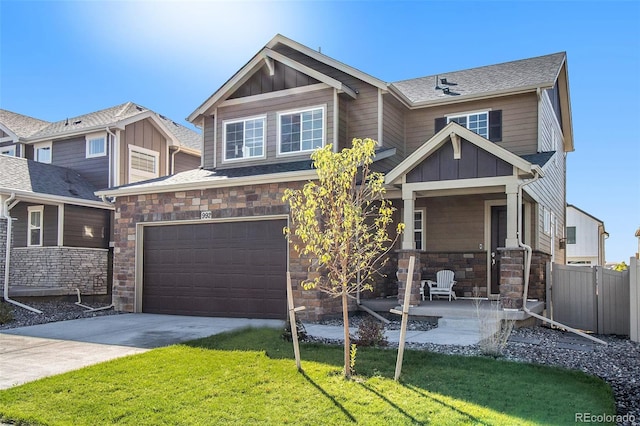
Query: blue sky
point(62, 59)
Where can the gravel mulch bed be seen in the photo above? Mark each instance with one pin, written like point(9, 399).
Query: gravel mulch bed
point(53, 309)
point(618, 363)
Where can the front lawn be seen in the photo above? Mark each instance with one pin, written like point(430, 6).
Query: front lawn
point(249, 377)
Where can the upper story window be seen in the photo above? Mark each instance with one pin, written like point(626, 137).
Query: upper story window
point(477, 122)
point(301, 131)
point(143, 164)
point(42, 152)
point(244, 138)
point(8, 150)
point(96, 145)
point(34, 231)
point(487, 124)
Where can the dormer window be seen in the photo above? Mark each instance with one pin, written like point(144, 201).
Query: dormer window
point(96, 145)
point(244, 138)
point(301, 131)
point(477, 122)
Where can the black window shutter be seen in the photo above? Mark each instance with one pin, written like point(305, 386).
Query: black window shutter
point(440, 123)
point(495, 126)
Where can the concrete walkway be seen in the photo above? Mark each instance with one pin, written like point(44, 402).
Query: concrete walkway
point(30, 353)
point(450, 331)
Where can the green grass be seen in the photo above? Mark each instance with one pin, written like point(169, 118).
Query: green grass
point(249, 377)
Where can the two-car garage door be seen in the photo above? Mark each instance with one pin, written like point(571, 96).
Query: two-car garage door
point(230, 269)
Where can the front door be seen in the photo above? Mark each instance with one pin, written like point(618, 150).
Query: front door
point(498, 237)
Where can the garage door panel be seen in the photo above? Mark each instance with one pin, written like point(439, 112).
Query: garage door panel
point(234, 269)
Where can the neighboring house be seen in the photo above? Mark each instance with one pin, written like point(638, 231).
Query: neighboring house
point(51, 179)
point(60, 230)
point(468, 155)
point(585, 238)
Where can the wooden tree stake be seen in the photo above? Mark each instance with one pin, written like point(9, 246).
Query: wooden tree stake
point(292, 321)
point(405, 317)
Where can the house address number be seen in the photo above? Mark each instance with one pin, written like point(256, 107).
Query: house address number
point(206, 214)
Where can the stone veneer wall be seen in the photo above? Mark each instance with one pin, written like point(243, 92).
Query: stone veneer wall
point(60, 269)
point(246, 201)
point(470, 270)
point(538, 275)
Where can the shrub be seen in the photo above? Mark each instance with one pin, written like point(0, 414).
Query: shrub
point(6, 313)
point(302, 332)
point(371, 333)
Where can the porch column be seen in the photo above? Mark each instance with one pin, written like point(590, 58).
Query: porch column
point(511, 277)
point(512, 215)
point(409, 198)
point(402, 275)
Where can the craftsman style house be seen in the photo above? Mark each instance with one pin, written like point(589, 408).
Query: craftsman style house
point(474, 162)
point(49, 172)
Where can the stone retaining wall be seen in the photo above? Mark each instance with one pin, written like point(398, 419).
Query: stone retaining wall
point(58, 269)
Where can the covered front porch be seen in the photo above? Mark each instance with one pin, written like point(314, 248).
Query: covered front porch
point(460, 308)
point(465, 210)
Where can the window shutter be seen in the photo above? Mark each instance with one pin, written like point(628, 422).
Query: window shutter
point(440, 123)
point(495, 126)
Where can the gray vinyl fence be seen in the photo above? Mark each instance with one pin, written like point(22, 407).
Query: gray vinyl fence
point(591, 298)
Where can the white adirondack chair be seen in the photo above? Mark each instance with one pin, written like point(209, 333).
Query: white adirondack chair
point(443, 285)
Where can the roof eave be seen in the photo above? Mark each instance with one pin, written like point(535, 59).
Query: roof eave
point(484, 95)
point(56, 199)
point(299, 175)
point(279, 38)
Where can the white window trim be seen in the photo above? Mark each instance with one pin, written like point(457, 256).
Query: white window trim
point(94, 136)
point(546, 225)
point(43, 145)
point(146, 175)
point(32, 209)
point(423, 228)
point(467, 114)
point(9, 147)
point(243, 120)
point(300, 111)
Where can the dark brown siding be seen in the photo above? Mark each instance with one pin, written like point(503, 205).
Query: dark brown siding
point(284, 78)
point(71, 153)
point(234, 269)
point(473, 163)
point(20, 226)
point(86, 227)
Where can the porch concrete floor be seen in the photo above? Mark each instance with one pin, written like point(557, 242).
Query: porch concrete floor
point(461, 308)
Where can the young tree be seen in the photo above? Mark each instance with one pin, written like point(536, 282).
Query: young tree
point(341, 223)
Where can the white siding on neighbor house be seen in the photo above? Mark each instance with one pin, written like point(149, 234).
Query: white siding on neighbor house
point(587, 236)
point(550, 191)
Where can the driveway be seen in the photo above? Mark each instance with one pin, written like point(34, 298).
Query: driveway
point(30, 353)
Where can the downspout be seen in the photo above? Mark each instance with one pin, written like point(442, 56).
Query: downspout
point(527, 270)
point(7, 258)
point(173, 160)
point(110, 150)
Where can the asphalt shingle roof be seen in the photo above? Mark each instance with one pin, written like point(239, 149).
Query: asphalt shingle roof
point(540, 158)
point(525, 73)
point(24, 175)
point(110, 116)
point(22, 125)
